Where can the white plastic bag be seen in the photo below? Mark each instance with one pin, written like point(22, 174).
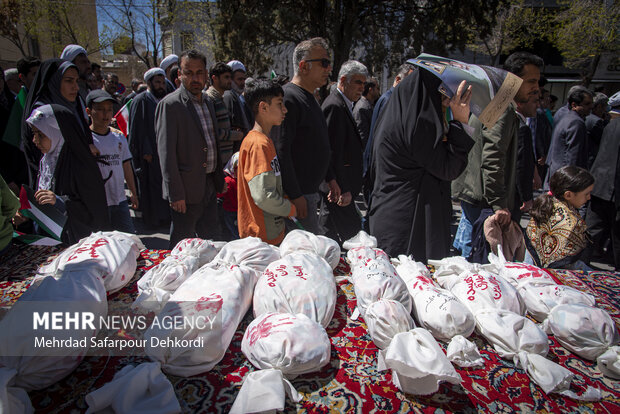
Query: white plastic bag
point(135, 389)
point(374, 278)
point(299, 282)
point(157, 285)
point(361, 239)
point(112, 255)
point(161, 281)
point(13, 400)
point(22, 363)
point(609, 362)
point(417, 362)
point(519, 273)
point(220, 291)
point(203, 250)
point(304, 241)
point(436, 309)
point(464, 353)
point(510, 333)
point(518, 338)
point(476, 287)
point(386, 318)
point(539, 299)
point(588, 332)
point(281, 346)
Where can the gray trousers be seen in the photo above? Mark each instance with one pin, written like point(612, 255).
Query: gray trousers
point(199, 220)
point(311, 222)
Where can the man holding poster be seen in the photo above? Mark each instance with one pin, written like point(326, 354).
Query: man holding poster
point(489, 181)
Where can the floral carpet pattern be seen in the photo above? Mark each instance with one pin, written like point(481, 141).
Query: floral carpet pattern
point(351, 382)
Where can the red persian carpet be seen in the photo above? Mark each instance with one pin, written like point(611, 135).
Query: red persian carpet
point(351, 382)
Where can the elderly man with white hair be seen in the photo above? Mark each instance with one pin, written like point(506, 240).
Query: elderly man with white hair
point(77, 55)
point(303, 142)
point(340, 216)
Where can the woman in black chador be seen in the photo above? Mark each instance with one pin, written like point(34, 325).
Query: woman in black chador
point(416, 154)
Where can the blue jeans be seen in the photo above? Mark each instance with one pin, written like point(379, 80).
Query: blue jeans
point(462, 239)
point(230, 220)
point(120, 218)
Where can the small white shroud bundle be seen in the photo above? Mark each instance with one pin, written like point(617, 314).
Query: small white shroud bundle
point(374, 277)
point(476, 287)
point(76, 290)
point(538, 290)
point(135, 389)
point(112, 255)
point(417, 362)
point(213, 301)
point(361, 239)
point(304, 241)
point(161, 281)
point(300, 282)
point(498, 311)
point(439, 311)
point(282, 346)
point(588, 332)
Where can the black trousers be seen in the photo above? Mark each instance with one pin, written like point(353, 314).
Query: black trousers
point(603, 221)
point(199, 220)
point(341, 223)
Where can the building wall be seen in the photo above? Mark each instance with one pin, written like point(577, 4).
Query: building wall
point(85, 16)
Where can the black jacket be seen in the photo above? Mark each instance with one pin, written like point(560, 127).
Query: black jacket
point(345, 143)
point(410, 169)
point(525, 165)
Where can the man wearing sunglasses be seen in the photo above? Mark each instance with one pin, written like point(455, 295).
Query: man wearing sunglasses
point(302, 143)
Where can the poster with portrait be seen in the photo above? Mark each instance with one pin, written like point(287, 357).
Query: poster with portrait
point(492, 89)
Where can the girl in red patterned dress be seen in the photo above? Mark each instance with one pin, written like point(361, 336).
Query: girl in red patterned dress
point(557, 232)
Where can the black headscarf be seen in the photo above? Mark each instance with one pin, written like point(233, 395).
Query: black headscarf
point(45, 89)
point(411, 169)
point(78, 177)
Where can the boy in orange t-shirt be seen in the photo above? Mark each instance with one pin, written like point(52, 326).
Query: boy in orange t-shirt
point(262, 205)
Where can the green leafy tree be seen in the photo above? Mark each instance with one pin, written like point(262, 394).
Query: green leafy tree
point(583, 31)
point(517, 25)
point(378, 32)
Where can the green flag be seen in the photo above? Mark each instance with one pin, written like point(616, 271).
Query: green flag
point(273, 74)
point(13, 132)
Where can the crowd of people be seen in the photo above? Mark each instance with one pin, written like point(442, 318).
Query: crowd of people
point(212, 153)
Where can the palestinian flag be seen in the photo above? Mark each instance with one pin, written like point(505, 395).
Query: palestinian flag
point(13, 132)
point(122, 118)
point(34, 239)
point(46, 215)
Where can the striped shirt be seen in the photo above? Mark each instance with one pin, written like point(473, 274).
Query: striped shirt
point(223, 124)
point(207, 126)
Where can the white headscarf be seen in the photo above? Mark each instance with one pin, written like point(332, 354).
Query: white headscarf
point(70, 52)
point(231, 164)
point(44, 120)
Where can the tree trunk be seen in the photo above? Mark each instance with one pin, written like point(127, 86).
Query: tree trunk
point(588, 74)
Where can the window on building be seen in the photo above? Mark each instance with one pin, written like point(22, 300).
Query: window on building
point(187, 40)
